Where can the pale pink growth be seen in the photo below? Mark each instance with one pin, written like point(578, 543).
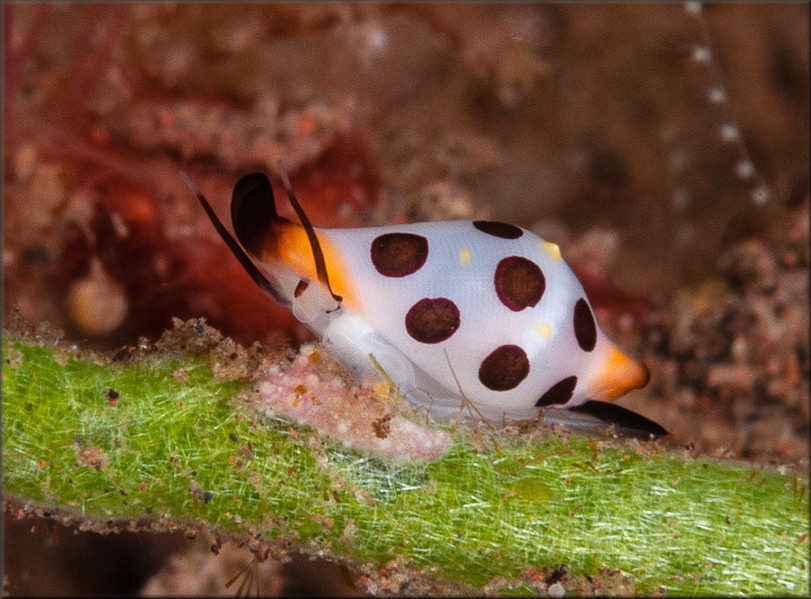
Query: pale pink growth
point(355, 415)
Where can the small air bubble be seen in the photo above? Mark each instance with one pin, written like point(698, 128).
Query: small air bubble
point(730, 132)
point(717, 95)
point(681, 198)
point(692, 8)
point(378, 38)
point(761, 195)
point(744, 169)
point(701, 54)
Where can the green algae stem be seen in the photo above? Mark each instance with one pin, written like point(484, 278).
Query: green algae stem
point(179, 446)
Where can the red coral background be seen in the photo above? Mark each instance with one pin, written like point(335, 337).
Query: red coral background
point(590, 124)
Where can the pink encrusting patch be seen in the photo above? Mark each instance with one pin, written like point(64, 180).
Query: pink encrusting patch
point(354, 415)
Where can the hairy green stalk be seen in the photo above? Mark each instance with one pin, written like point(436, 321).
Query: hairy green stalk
point(492, 513)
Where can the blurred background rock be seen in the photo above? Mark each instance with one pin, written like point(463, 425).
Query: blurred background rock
point(673, 173)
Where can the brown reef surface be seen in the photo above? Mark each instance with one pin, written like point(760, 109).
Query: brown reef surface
point(677, 188)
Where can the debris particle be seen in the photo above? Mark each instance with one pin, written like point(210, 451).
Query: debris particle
point(112, 396)
point(180, 375)
point(93, 457)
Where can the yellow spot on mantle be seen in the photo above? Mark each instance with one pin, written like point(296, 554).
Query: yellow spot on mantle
point(552, 249)
point(543, 329)
point(464, 256)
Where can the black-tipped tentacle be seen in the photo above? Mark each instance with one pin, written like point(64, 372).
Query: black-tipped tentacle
point(318, 255)
point(627, 422)
point(258, 277)
point(253, 210)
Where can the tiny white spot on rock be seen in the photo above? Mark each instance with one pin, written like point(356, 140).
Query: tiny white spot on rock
point(692, 8)
point(744, 169)
point(730, 132)
point(761, 195)
point(717, 95)
point(701, 54)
